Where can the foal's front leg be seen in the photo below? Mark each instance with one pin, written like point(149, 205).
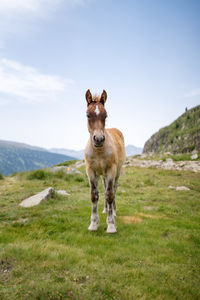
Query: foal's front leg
point(94, 198)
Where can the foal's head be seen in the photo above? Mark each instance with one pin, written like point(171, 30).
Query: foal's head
point(96, 115)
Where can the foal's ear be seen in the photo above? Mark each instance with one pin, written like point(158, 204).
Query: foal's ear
point(103, 97)
point(88, 97)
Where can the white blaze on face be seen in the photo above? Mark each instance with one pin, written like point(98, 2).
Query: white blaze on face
point(97, 111)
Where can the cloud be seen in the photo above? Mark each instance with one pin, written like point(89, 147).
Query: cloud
point(19, 16)
point(33, 7)
point(27, 84)
point(192, 93)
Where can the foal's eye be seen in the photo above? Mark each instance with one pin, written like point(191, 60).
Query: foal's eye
point(88, 116)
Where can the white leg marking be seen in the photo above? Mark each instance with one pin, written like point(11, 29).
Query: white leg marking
point(94, 222)
point(94, 218)
point(111, 228)
point(111, 220)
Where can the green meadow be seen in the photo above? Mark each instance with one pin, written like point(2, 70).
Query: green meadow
point(46, 252)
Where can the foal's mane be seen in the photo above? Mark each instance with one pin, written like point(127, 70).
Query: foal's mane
point(96, 98)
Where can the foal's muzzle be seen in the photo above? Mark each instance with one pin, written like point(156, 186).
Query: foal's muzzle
point(98, 140)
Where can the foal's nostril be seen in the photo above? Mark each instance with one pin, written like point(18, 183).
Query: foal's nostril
point(103, 138)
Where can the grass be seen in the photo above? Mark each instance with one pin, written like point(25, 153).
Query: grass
point(46, 251)
point(68, 163)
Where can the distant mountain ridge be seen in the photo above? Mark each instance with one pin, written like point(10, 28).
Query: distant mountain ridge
point(130, 151)
point(181, 136)
point(17, 157)
point(77, 154)
point(22, 145)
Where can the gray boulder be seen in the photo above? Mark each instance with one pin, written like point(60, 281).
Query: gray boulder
point(36, 199)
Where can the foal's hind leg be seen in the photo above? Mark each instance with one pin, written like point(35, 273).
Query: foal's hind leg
point(110, 191)
point(115, 189)
point(94, 198)
point(105, 210)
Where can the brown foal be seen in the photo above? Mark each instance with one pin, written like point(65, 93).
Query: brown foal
point(104, 156)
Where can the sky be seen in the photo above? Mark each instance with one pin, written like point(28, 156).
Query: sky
point(144, 53)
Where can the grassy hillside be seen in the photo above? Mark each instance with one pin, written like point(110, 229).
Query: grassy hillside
point(16, 157)
point(181, 136)
point(46, 252)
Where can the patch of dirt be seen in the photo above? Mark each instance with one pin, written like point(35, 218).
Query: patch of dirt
point(137, 218)
point(130, 219)
point(149, 208)
point(148, 216)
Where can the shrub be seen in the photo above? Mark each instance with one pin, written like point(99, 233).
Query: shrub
point(38, 174)
point(60, 174)
point(79, 179)
point(1, 176)
point(177, 125)
point(148, 182)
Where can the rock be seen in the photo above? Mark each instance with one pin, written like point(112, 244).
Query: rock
point(73, 171)
point(192, 166)
point(62, 192)
point(169, 161)
point(36, 199)
point(182, 188)
point(194, 151)
point(58, 168)
point(169, 164)
point(171, 187)
point(194, 156)
point(181, 163)
point(67, 170)
point(79, 164)
point(178, 188)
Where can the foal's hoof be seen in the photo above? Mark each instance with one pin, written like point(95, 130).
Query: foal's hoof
point(104, 211)
point(111, 228)
point(93, 227)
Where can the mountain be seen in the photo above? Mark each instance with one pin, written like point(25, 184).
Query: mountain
point(21, 145)
point(78, 154)
point(181, 136)
point(132, 150)
point(17, 157)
